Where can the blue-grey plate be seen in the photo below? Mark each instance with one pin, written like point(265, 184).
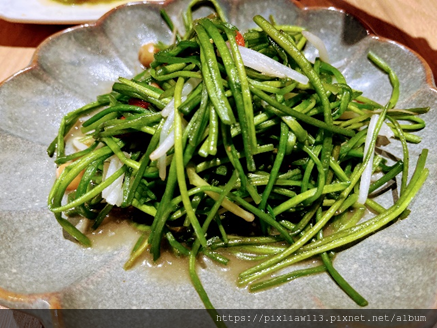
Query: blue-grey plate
point(395, 268)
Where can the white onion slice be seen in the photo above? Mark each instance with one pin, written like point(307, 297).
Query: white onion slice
point(268, 66)
point(186, 89)
point(367, 173)
point(164, 147)
point(166, 141)
point(113, 194)
point(162, 167)
point(318, 44)
point(190, 85)
point(168, 108)
point(79, 145)
point(167, 126)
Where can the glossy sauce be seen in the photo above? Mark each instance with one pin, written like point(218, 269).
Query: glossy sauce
point(115, 233)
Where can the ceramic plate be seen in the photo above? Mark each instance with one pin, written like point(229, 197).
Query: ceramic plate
point(395, 268)
point(51, 12)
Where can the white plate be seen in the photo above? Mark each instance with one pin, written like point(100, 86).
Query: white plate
point(52, 12)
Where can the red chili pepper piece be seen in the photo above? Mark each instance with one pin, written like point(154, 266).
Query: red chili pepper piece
point(139, 103)
point(240, 39)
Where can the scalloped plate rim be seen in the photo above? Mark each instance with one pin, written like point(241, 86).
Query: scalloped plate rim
point(372, 33)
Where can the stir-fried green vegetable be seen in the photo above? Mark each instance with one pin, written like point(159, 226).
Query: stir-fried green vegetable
point(238, 142)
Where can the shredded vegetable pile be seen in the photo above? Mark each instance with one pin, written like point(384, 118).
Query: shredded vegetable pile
point(237, 142)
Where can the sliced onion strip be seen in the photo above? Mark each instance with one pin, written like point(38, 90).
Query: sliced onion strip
point(113, 194)
point(79, 145)
point(187, 88)
point(165, 143)
point(318, 44)
point(268, 66)
point(367, 173)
